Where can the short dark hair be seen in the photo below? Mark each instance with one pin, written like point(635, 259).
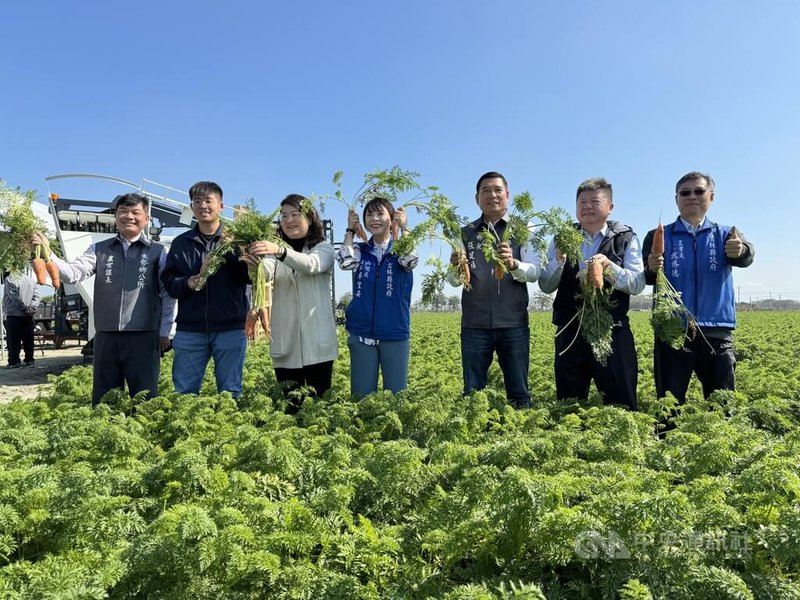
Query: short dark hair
point(595, 184)
point(202, 189)
point(316, 232)
point(695, 175)
point(490, 175)
point(131, 200)
point(378, 202)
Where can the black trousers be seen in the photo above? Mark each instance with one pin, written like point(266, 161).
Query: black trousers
point(714, 366)
point(319, 376)
point(121, 357)
point(19, 331)
point(616, 380)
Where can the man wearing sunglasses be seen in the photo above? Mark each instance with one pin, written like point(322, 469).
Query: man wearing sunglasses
point(697, 260)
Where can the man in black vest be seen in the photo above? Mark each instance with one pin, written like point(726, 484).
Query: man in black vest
point(618, 250)
point(494, 315)
point(133, 314)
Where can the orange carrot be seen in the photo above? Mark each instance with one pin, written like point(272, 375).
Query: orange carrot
point(264, 317)
point(40, 270)
point(658, 240)
point(55, 276)
point(395, 230)
point(595, 274)
point(361, 233)
point(463, 265)
point(250, 324)
point(38, 266)
point(498, 271)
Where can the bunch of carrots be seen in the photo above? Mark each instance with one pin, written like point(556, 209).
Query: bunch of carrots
point(260, 312)
point(595, 322)
point(20, 224)
point(247, 227)
point(444, 224)
point(672, 321)
point(42, 267)
point(527, 226)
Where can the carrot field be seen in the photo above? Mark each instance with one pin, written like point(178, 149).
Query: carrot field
point(426, 494)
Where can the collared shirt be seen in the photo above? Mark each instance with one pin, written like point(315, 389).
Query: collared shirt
point(85, 266)
point(691, 228)
point(628, 278)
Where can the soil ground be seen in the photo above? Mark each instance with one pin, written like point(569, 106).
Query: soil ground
point(26, 382)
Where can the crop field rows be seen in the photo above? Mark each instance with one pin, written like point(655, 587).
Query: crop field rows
point(426, 494)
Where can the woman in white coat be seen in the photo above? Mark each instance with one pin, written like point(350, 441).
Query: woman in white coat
point(304, 343)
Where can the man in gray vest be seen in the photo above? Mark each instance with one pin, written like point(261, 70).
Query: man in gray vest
point(494, 315)
point(133, 314)
point(617, 248)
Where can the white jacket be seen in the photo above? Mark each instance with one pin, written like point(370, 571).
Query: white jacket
point(303, 325)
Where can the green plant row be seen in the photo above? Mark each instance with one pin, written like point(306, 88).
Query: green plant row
point(424, 494)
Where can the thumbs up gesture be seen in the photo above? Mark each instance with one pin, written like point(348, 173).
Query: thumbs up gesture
point(734, 247)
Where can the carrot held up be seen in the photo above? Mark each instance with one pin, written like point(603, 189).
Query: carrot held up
point(38, 265)
point(595, 268)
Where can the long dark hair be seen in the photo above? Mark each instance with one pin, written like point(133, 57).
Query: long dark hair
point(316, 232)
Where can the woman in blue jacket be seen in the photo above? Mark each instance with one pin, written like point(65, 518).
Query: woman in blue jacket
point(379, 315)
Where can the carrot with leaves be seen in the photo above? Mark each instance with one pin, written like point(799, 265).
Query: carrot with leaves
point(672, 322)
point(19, 224)
point(529, 227)
point(595, 322)
point(249, 226)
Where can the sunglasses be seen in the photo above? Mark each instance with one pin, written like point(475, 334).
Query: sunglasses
point(695, 191)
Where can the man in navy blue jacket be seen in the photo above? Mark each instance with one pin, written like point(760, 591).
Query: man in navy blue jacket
point(697, 260)
point(211, 311)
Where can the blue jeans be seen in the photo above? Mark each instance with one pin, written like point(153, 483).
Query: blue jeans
point(194, 349)
point(391, 357)
point(512, 345)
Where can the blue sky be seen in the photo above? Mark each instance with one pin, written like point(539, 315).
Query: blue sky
point(269, 98)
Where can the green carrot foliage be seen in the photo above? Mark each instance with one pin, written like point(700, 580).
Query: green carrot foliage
point(17, 226)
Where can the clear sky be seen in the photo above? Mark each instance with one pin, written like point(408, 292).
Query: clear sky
point(269, 98)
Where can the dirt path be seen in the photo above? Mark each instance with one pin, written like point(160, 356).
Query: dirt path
point(25, 382)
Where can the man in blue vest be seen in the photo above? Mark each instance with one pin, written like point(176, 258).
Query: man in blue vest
point(617, 248)
point(133, 314)
point(494, 315)
point(697, 260)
